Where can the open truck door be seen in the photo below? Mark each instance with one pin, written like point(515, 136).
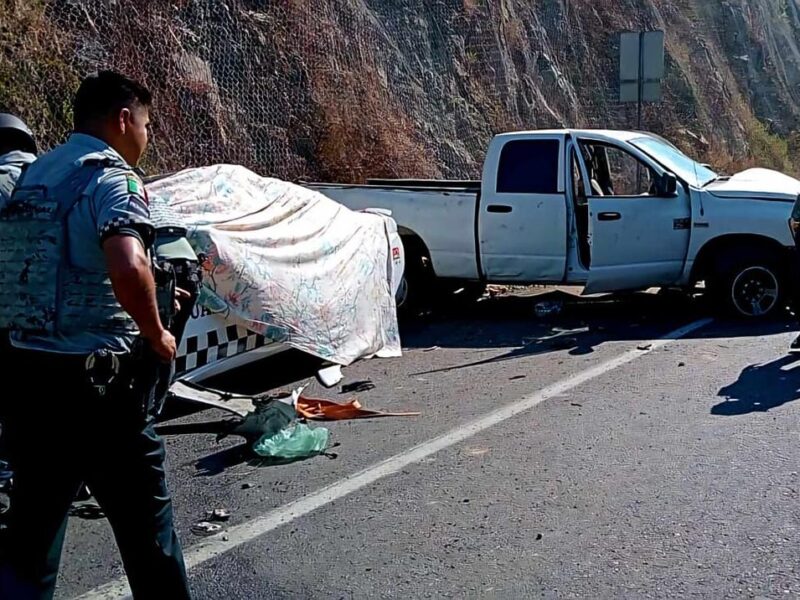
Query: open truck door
point(639, 223)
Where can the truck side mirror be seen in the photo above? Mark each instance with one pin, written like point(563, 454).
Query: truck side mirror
point(668, 185)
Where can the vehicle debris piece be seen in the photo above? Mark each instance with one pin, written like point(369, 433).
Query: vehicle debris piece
point(218, 514)
point(326, 410)
point(330, 376)
point(548, 308)
point(204, 528)
point(88, 511)
point(268, 418)
point(358, 386)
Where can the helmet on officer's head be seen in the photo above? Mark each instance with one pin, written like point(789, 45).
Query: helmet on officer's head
point(14, 133)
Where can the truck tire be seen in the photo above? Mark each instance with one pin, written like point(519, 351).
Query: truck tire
point(416, 286)
point(749, 284)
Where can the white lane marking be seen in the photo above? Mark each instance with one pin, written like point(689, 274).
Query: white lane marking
point(247, 532)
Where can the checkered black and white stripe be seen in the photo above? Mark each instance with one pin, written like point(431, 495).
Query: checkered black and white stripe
point(116, 224)
point(200, 350)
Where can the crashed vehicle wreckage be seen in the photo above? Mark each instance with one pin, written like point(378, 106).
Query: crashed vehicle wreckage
point(285, 267)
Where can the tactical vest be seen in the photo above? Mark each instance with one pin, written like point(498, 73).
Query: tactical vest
point(41, 292)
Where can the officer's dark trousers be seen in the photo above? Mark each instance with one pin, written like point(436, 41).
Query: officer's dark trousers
point(61, 434)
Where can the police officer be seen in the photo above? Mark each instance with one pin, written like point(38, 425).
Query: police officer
point(17, 150)
point(79, 292)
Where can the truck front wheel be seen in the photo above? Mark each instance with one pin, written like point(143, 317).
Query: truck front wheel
point(749, 285)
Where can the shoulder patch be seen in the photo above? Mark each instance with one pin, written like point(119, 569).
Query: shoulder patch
point(136, 187)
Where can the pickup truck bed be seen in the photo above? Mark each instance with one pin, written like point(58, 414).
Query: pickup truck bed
point(434, 203)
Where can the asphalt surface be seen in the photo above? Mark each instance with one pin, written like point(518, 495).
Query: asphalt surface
point(640, 472)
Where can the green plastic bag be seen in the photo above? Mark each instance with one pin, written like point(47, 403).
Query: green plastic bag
point(294, 441)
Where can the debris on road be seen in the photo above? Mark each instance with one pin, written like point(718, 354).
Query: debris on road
point(326, 410)
point(205, 529)
point(431, 349)
point(247, 486)
point(89, 511)
point(274, 427)
point(330, 376)
point(270, 416)
point(294, 442)
point(218, 514)
point(358, 386)
point(645, 347)
point(515, 377)
point(548, 308)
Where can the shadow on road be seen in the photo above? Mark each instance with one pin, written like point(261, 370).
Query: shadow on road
point(216, 463)
point(761, 388)
point(581, 327)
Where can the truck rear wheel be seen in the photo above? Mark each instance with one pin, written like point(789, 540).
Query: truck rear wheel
point(413, 294)
point(749, 285)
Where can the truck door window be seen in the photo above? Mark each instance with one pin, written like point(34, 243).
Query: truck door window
point(529, 167)
point(614, 172)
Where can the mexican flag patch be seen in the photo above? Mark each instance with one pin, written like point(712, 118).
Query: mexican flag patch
point(134, 186)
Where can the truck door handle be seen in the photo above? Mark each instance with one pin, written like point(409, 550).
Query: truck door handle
point(609, 216)
point(498, 208)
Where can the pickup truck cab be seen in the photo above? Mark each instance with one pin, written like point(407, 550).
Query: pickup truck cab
point(607, 210)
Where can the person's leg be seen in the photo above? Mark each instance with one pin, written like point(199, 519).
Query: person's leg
point(40, 439)
point(128, 480)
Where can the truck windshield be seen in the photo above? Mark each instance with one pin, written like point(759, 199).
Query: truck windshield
point(676, 161)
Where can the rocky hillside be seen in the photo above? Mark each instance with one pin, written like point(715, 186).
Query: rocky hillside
point(347, 89)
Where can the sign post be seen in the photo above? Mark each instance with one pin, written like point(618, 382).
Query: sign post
point(641, 68)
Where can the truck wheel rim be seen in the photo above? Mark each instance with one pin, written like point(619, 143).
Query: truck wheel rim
point(755, 291)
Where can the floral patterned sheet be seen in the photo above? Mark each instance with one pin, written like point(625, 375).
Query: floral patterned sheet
point(288, 262)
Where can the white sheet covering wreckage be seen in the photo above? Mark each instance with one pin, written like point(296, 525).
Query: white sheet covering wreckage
point(290, 264)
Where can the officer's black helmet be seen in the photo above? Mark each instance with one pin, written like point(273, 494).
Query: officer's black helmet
point(16, 134)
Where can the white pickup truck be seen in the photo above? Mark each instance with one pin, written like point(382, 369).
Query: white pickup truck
point(608, 210)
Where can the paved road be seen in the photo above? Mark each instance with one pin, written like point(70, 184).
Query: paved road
point(557, 458)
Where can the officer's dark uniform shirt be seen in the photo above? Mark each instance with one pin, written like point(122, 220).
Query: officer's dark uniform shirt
point(118, 205)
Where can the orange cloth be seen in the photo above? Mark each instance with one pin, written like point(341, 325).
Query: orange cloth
point(326, 410)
